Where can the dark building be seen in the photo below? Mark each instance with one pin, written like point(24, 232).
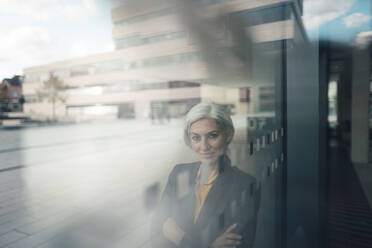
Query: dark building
point(11, 94)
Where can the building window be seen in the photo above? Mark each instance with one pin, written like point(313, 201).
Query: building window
point(182, 84)
point(129, 41)
point(37, 77)
point(85, 91)
point(109, 66)
point(31, 99)
point(31, 78)
point(147, 16)
point(262, 16)
point(207, 2)
point(118, 65)
point(81, 70)
point(137, 40)
point(245, 95)
point(267, 99)
point(15, 94)
point(93, 110)
point(62, 73)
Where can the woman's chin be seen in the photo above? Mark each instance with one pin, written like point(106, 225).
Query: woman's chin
point(208, 161)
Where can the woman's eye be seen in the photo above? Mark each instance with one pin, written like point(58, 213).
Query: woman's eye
point(195, 138)
point(213, 135)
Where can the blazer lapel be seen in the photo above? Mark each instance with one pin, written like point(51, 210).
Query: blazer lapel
point(188, 202)
point(193, 173)
point(216, 197)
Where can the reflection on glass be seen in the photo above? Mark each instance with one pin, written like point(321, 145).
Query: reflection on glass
point(332, 101)
point(94, 165)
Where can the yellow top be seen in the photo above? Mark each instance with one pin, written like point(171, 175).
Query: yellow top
point(201, 191)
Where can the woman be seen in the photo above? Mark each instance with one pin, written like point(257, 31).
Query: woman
point(207, 203)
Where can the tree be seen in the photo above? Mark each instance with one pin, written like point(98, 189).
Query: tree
point(53, 91)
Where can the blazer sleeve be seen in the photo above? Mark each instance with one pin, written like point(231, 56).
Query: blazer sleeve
point(249, 230)
point(162, 212)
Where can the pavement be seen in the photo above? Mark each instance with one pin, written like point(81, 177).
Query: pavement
point(84, 185)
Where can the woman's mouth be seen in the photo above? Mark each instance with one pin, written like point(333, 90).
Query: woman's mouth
point(206, 154)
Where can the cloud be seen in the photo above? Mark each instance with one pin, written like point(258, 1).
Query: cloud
point(26, 46)
point(355, 20)
point(318, 12)
point(48, 9)
point(34, 45)
point(81, 49)
point(88, 7)
point(39, 44)
point(363, 39)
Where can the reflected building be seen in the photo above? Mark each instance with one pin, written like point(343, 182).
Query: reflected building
point(11, 98)
point(157, 68)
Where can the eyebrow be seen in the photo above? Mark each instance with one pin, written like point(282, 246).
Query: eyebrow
point(214, 131)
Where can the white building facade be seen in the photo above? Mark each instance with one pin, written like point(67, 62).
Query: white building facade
point(159, 66)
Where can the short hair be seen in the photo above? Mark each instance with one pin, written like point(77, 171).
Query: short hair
point(209, 110)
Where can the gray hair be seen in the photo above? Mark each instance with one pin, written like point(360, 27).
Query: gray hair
point(209, 110)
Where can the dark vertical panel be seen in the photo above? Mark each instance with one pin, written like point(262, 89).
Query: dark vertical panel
point(323, 134)
point(302, 146)
point(283, 171)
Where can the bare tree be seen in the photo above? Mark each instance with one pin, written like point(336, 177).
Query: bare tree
point(53, 91)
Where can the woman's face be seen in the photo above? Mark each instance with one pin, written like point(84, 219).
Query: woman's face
point(207, 140)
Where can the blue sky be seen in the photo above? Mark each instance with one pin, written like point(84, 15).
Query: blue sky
point(37, 32)
point(340, 20)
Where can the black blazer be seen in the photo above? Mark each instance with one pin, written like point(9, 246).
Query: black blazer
point(233, 198)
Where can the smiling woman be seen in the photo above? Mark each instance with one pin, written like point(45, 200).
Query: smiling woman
point(208, 141)
point(208, 131)
point(207, 203)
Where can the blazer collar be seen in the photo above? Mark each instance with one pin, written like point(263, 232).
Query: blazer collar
point(193, 174)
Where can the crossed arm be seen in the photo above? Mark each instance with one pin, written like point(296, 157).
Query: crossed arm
point(167, 233)
point(175, 234)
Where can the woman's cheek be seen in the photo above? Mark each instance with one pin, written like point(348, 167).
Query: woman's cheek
point(220, 143)
point(222, 146)
point(194, 147)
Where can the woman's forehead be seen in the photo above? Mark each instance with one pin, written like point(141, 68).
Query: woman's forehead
point(204, 125)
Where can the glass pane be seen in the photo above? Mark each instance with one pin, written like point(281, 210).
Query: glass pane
point(166, 123)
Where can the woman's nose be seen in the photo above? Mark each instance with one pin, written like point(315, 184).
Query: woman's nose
point(205, 145)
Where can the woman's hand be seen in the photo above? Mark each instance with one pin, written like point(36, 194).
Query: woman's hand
point(227, 239)
point(172, 231)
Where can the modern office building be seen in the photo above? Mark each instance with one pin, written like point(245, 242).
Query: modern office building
point(160, 66)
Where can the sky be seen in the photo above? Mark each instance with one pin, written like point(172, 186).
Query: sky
point(341, 20)
point(37, 32)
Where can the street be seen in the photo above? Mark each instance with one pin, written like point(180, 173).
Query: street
point(84, 185)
